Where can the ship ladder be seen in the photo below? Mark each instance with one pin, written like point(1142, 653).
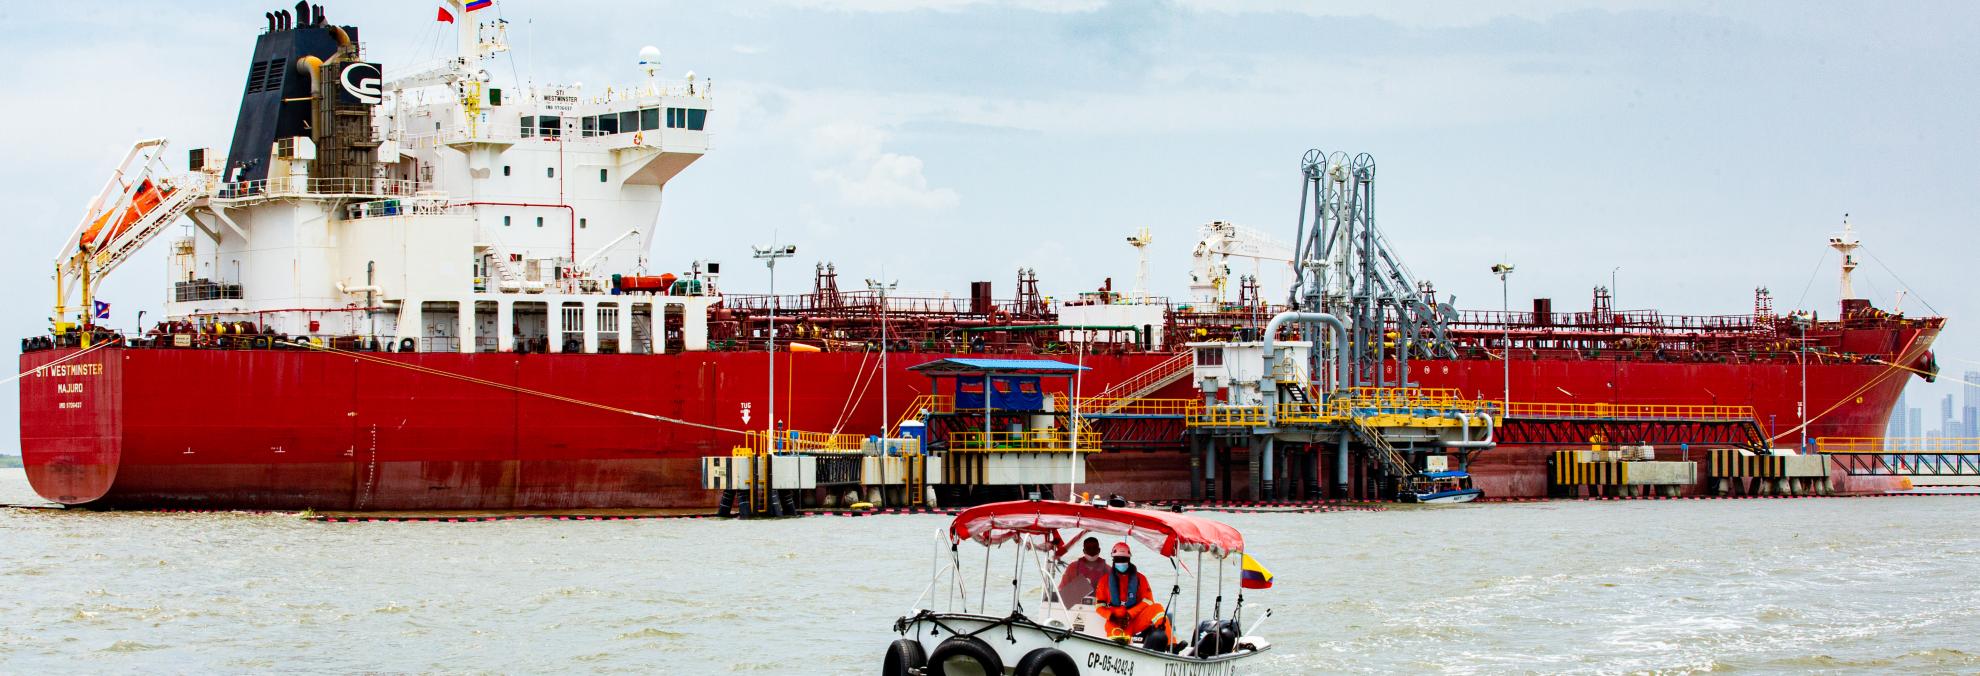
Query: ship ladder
point(1755, 440)
point(1169, 372)
point(1392, 461)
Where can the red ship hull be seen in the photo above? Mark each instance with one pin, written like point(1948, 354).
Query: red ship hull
point(293, 429)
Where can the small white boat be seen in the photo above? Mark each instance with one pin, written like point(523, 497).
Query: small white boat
point(1034, 632)
point(1438, 488)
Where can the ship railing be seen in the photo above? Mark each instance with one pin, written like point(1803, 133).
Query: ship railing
point(1623, 319)
point(862, 301)
point(404, 207)
point(1897, 445)
point(794, 441)
point(1599, 410)
point(1029, 441)
point(301, 186)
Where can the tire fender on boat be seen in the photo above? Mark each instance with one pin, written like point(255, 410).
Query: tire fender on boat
point(904, 657)
point(1038, 662)
point(967, 648)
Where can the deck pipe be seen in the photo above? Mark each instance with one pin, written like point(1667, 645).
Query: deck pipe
point(1464, 420)
point(1333, 322)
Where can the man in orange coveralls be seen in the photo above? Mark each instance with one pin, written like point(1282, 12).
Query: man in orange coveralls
point(1123, 601)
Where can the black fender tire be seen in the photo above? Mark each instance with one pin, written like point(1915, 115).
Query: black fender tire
point(1038, 661)
point(965, 648)
point(904, 657)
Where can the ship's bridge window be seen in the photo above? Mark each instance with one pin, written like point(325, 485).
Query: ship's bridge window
point(629, 121)
point(601, 125)
point(588, 126)
point(686, 118)
point(528, 126)
point(649, 119)
point(550, 126)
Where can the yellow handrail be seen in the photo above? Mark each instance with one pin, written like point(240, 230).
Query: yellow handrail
point(1228, 416)
point(793, 441)
point(1126, 406)
point(1029, 441)
point(934, 403)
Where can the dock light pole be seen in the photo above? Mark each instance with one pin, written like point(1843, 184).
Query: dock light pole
point(769, 256)
point(1802, 322)
point(1504, 270)
point(882, 288)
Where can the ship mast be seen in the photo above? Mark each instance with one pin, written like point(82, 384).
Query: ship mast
point(1846, 244)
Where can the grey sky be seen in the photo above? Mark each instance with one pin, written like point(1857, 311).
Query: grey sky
point(1705, 150)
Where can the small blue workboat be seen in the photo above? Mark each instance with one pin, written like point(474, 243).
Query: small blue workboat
point(1438, 488)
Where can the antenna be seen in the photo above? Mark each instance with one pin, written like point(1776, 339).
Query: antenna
point(649, 61)
point(1140, 241)
point(1846, 244)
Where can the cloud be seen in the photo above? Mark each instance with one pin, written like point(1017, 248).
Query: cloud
point(1431, 13)
point(1049, 6)
point(1257, 94)
point(866, 175)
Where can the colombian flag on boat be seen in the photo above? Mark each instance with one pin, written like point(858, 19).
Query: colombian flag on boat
point(1255, 576)
point(480, 4)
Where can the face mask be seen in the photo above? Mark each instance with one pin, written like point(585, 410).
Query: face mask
point(1121, 567)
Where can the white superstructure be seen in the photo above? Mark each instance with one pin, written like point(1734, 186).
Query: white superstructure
point(495, 216)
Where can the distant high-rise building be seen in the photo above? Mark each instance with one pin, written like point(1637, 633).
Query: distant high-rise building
point(1897, 427)
point(1948, 425)
point(1972, 403)
point(1915, 418)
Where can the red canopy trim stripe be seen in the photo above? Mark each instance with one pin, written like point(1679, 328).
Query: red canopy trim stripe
point(1165, 532)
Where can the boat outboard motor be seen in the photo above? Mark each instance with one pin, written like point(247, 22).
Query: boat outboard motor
point(1215, 637)
point(1155, 638)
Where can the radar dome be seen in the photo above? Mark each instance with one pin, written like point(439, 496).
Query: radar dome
point(649, 55)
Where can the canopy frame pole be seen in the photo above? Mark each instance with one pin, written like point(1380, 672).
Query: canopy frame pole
point(1196, 616)
point(983, 594)
point(1017, 573)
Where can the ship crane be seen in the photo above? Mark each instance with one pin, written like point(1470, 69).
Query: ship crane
point(138, 202)
point(1217, 243)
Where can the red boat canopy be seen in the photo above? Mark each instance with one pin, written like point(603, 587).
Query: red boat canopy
point(1165, 532)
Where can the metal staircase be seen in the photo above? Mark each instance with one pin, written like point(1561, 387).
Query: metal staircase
point(1169, 372)
point(1393, 463)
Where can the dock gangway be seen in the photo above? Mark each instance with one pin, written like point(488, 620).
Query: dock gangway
point(1935, 457)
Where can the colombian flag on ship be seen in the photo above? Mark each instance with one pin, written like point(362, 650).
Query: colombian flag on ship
point(1255, 575)
point(479, 4)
